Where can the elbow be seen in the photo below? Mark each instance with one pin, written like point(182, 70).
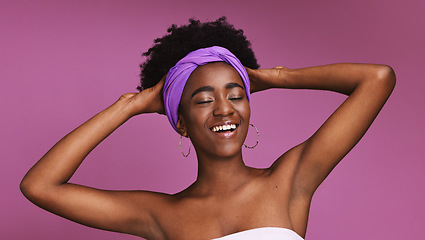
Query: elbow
point(386, 77)
point(27, 189)
point(31, 190)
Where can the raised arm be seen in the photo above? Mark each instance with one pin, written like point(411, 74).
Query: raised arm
point(46, 183)
point(368, 87)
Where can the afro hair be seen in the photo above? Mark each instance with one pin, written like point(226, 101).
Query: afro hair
point(180, 41)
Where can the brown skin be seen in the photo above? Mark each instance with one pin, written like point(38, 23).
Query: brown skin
point(228, 196)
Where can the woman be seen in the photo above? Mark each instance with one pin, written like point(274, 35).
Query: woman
point(206, 98)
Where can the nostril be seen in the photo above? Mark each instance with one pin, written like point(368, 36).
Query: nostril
point(223, 107)
point(223, 111)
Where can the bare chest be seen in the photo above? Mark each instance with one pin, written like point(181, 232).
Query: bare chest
point(208, 218)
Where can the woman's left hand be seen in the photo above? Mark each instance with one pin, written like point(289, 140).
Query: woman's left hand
point(262, 79)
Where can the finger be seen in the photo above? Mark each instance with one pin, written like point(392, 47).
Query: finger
point(162, 81)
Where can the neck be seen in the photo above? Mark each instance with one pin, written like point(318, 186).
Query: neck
point(217, 176)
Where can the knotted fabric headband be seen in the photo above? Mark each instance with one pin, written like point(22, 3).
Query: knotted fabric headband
point(177, 76)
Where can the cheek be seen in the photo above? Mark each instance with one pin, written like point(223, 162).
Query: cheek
point(245, 114)
point(195, 120)
point(244, 111)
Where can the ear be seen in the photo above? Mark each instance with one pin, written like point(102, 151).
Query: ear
point(181, 126)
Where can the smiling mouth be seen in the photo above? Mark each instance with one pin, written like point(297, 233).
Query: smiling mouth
point(224, 128)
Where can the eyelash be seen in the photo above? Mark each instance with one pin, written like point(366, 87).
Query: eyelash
point(209, 101)
point(206, 101)
point(236, 98)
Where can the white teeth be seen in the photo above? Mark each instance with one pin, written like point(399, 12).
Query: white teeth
point(224, 127)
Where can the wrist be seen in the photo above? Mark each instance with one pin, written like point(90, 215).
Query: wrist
point(287, 78)
point(123, 108)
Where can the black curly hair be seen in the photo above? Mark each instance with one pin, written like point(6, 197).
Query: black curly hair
point(180, 41)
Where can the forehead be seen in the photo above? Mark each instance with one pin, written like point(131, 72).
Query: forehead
point(214, 74)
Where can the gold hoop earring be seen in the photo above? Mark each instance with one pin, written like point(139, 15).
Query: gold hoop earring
point(180, 143)
point(258, 138)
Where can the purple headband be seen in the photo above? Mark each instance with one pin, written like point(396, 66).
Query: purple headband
point(178, 75)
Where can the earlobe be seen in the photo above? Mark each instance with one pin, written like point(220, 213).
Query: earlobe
point(181, 128)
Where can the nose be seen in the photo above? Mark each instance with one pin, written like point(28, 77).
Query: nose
point(223, 107)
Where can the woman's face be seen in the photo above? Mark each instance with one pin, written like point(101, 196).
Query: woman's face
point(214, 110)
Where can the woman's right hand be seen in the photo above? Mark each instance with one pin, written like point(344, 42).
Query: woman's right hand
point(149, 100)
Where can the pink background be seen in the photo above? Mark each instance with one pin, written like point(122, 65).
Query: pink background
point(63, 61)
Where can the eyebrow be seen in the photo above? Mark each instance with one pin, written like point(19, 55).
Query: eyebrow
point(233, 85)
point(202, 89)
point(211, 89)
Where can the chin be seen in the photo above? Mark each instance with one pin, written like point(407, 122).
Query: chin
point(227, 151)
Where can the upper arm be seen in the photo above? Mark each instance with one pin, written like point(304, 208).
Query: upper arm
point(318, 155)
point(119, 211)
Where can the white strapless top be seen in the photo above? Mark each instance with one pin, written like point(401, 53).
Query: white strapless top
point(266, 233)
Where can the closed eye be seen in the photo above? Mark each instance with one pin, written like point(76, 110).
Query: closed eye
point(236, 98)
point(203, 102)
